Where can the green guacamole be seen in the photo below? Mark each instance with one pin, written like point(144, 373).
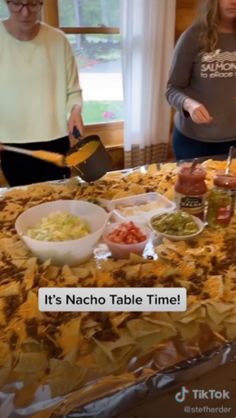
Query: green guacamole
point(175, 223)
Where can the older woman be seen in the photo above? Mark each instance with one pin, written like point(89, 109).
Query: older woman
point(202, 83)
point(40, 99)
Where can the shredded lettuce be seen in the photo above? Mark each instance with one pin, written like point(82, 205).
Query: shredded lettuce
point(59, 226)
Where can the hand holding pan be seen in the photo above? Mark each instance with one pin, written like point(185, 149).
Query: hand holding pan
point(98, 161)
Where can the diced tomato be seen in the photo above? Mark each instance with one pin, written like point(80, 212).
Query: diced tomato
point(127, 233)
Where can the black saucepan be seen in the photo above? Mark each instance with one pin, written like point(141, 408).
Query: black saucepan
point(98, 164)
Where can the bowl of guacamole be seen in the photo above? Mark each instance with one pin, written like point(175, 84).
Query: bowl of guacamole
point(177, 225)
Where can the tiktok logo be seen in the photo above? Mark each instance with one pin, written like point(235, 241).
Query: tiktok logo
point(180, 396)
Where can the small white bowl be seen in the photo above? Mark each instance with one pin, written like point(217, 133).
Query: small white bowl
point(198, 221)
point(70, 252)
point(121, 251)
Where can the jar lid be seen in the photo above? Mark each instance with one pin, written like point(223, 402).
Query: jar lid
point(225, 181)
point(197, 172)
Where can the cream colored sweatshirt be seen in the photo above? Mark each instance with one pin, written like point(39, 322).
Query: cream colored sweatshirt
point(38, 86)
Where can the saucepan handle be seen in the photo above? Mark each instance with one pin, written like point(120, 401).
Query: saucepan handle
point(76, 133)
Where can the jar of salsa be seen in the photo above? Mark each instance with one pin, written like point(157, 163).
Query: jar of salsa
point(191, 190)
point(221, 201)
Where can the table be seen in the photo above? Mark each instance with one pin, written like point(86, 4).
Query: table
point(26, 275)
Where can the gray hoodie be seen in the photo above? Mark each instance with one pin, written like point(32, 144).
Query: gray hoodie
point(209, 78)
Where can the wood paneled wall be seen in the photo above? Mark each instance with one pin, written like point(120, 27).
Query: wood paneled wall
point(186, 11)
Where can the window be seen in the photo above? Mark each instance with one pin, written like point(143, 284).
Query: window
point(92, 28)
point(3, 10)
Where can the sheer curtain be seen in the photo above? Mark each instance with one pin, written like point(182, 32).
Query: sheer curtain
point(147, 33)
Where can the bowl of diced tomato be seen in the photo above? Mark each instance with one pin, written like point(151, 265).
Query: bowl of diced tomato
point(125, 238)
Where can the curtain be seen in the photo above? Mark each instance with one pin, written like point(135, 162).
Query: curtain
point(147, 36)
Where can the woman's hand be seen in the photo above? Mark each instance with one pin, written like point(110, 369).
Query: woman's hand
point(198, 112)
point(76, 120)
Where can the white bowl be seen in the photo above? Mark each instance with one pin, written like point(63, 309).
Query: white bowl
point(198, 221)
point(71, 252)
point(123, 250)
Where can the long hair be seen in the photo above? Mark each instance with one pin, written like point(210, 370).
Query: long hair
point(209, 18)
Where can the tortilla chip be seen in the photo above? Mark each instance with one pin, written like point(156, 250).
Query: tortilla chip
point(69, 338)
point(161, 319)
point(5, 362)
point(70, 279)
point(64, 377)
point(29, 309)
point(152, 169)
point(139, 328)
point(188, 331)
point(4, 353)
point(10, 212)
point(214, 286)
point(149, 342)
point(117, 318)
point(230, 327)
point(150, 334)
point(35, 363)
point(195, 312)
point(109, 347)
point(10, 289)
point(217, 312)
point(30, 273)
point(2, 315)
point(17, 326)
point(51, 273)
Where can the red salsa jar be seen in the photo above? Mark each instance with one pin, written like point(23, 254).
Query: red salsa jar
point(191, 190)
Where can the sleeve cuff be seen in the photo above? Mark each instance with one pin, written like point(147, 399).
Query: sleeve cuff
point(74, 98)
point(182, 111)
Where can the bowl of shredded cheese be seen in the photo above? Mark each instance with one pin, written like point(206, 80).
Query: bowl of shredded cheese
point(64, 231)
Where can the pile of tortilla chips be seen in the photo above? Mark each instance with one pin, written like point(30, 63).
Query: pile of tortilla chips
point(69, 350)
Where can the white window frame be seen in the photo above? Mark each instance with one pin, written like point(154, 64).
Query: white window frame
point(112, 132)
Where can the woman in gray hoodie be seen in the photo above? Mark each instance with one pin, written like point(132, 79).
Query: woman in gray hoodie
point(202, 83)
